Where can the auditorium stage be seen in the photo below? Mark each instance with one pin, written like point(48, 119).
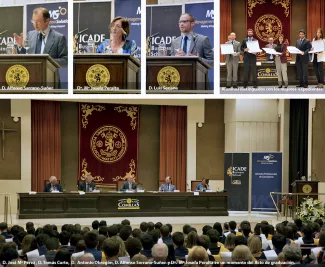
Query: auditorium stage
point(177, 222)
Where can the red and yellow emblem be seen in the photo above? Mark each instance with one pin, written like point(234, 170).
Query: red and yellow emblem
point(108, 144)
point(268, 26)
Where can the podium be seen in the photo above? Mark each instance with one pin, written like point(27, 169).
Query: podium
point(113, 71)
point(191, 73)
point(303, 187)
point(28, 71)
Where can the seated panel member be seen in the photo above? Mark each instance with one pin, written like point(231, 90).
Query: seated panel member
point(167, 186)
point(129, 184)
point(44, 39)
point(53, 185)
point(191, 43)
point(119, 30)
point(203, 186)
point(88, 185)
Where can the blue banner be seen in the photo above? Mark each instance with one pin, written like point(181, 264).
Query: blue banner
point(204, 24)
point(59, 23)
point(131, 11)
point(266, 178)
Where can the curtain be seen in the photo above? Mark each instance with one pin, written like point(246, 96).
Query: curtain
point(46, 142)
point(173, 140)
point(225, 21)
point(298, 139)
point(315, 17)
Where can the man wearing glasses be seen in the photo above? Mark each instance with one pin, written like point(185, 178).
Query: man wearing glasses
point(191, 43)
point(43, 40)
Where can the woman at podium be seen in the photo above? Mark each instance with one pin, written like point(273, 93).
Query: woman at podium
point(118, 44)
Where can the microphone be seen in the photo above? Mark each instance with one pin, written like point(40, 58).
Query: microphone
point(3, 32)
point(124, 33)
point(82, 31)
point(154, 35)
point(298, 175)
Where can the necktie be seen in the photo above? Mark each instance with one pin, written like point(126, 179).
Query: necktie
point(130, 187)
point(271, 56)
point(232, 42)
point(185, 44)
point(39, 44)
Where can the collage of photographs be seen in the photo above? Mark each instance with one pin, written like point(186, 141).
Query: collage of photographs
point(162, 133)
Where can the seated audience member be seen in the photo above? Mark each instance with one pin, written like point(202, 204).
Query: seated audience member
point(101, 240)
point(139, 260)
point(178, 241)
point(40, 240)
point(85, 260)
point(164, 235)
point(95, 225)
point(307, 236)
point(205, 229)
point(292, 253)
point(321, 243)
point(186, 227)
point(136, 233)
point(91, 242)
point(232, 227)
point(192, 239)
point(20, 237)
point(133, 246)
point(4, 230)
point(111, 248)
point(151, 226)
point(255, 246)
point(125, 222)
point(104, 223)
point(278, 241)
point(158, 225)
point(125, 233)
point(155, 235)
point(240, 240)
point(197, 255)
point(214, 238)
point(62, 258)
point(64, 238)
point(112, 231)
point(160, 254)
point(52, 245)
point(103, 230)
point(8, 255)
point(80, 247)
point(31, 230)
point(204, 241)
point(218, 227)
point(28, 244)
point(122, 252)
point(230, 242)
point(143, 227)
point(294, 229)
point(74, 239)
point(246, 230)
point(170, 229)
point(147, 244)
point(241, 256)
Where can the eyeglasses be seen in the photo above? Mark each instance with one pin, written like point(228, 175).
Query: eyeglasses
point(36, 22)
point(184, 21)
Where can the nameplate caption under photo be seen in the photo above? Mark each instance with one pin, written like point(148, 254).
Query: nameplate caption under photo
point(272, 90)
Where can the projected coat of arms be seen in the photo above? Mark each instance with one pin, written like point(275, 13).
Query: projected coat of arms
point(269, 18)
point(108, 142)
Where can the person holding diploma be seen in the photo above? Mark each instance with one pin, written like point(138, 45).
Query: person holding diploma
point(302, 59)
point(249, 60)
point(281, 62)
point(271, 45)
point(232, 61)
point(318, 59)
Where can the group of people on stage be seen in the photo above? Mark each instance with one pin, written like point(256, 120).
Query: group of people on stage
point(302, 59)
point(129, 185)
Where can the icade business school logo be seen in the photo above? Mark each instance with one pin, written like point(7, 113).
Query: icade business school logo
point(236, 171)
point(128, 204)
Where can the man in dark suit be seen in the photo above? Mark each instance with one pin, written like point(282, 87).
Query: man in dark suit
point(53, 186)
point(302, 59)
point(129, 184)
point(249, 60)
point(88, 185)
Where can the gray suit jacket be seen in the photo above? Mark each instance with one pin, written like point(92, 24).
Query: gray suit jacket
point(56, 46)
point(267, 55)
point(164, 188)
point(200, 44)
point(125, 186)
point(236, 46)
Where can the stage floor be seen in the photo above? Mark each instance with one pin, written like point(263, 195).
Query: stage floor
point(177, 222)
